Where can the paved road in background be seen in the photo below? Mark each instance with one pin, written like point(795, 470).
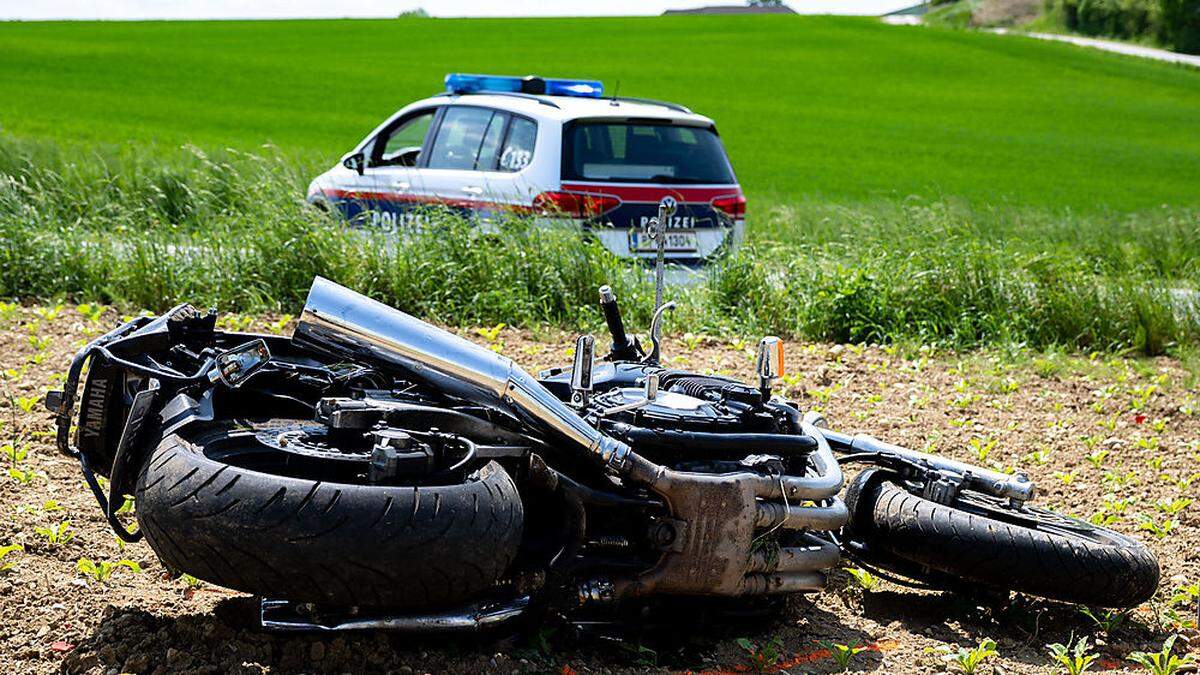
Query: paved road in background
point(1112, 46)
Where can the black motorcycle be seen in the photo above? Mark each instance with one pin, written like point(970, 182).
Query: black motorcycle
point(374, 471)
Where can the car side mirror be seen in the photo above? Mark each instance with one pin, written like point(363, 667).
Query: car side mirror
point(356, 163)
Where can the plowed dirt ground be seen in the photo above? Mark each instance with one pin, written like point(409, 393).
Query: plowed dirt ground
point(1104, 437)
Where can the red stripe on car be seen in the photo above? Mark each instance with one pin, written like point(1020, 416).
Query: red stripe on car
point(365, 195)
point(652, 194)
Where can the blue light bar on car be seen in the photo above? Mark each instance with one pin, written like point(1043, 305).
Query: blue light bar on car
point(463, 83)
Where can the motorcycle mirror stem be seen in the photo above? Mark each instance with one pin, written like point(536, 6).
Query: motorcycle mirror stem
point(769, 364)
point(656, 229)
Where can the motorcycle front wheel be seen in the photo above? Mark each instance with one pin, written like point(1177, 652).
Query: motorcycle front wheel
point(218, 503)
point(978, 539)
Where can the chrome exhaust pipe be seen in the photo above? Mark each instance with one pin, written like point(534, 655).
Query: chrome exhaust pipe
point(772, 584)
point(818, 554)
point(345, 324)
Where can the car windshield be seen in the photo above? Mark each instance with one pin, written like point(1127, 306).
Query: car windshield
point(645, 153)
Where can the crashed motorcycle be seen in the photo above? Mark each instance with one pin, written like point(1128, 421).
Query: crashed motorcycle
point(374, 471)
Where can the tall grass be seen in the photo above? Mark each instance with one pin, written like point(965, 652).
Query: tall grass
point(232, 230)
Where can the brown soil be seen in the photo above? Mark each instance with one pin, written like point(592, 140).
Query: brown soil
point(1044, 413)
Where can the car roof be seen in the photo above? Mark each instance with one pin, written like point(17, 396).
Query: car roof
point(565, 108)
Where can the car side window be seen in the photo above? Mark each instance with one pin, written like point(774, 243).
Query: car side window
point(489, 151)
point(517, 152)
point(459, 137)
point(401, 145)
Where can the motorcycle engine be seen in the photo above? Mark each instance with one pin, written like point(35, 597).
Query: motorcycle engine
point(691, 402)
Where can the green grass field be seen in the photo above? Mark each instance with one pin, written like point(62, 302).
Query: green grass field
point(905, 184)
point(843, 110)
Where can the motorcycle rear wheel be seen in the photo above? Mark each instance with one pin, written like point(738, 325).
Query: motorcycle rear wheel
point(263, 532)
point(982, 540)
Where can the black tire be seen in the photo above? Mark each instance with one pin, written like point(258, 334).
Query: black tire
point(974, 540)
point(324, 542)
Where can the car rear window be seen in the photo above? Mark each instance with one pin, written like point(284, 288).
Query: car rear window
point(644, 153)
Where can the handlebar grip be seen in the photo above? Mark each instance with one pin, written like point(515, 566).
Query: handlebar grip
point(622, 348)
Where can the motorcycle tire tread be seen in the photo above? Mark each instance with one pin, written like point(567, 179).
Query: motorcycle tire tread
point(326, 543)
point(1009, 556)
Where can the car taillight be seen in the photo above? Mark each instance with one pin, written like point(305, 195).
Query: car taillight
point(574, 204)
point(732, 205)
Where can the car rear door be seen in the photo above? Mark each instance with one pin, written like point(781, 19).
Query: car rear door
point(508, 165)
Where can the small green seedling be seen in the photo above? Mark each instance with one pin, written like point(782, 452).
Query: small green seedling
point(640, 653)
point(1186, 594)
point(1040, 457)
point(101, 571)
point(39, 343)
point(490, 334)
point(982, 447)
point(1169, 617)
point(1120, 479)
point(27, 403)
point(22, 476)
point(91, 311)
point(1160, 530)
point(1141, 396)
point(190, 581)
point(57, 535)
point(825, 394)
point(1104, 518)
point(968, 660)
point(762, 656)
point(1164, 662)
point(6, 567)
point(16, 453)
point(864, 579)
point(1172, 507)
point(277, 327)
point(49, 313)
point(1074, 657)
point(692, 340)
point(843, 654)
point(1106, 620)
point(1097, 457)
point(1185, 482)
point(236, 323)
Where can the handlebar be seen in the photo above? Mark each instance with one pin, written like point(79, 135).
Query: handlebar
point(623, 349)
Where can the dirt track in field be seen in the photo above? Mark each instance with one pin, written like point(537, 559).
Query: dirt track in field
point(1045, 415)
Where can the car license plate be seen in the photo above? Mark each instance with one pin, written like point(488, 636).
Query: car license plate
point(677, 241)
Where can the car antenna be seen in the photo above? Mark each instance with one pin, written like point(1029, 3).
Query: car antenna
point(616, 90)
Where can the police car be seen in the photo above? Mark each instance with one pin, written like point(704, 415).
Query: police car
point(556, 150)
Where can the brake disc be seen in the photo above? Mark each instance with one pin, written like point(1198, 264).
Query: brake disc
point(312, 440)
